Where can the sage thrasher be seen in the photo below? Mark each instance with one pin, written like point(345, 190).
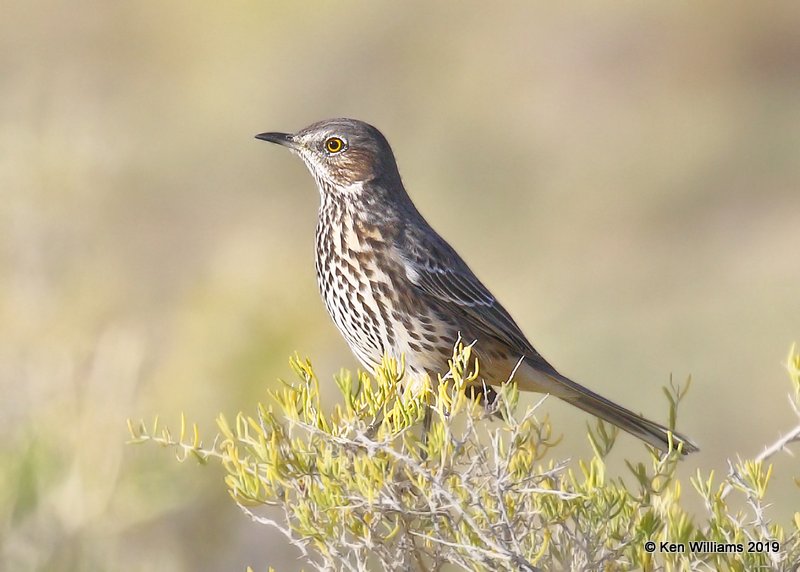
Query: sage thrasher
point(394, 286)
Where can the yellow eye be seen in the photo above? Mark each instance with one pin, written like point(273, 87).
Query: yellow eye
point(334, 145)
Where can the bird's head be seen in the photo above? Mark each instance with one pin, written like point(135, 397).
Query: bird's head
point(344, 155)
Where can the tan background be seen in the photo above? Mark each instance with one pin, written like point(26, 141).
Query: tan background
point(624, 177)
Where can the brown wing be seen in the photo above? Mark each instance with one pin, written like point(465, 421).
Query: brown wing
point(440, 273)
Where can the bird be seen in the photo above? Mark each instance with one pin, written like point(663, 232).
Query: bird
point(393, 286)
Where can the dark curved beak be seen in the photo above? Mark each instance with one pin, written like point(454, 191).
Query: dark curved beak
point(284, 139)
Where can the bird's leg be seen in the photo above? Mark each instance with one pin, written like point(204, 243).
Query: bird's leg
point(484, 393)
point(372, 428)
point(426, 428)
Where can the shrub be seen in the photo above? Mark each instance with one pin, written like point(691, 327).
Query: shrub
point(360, 487)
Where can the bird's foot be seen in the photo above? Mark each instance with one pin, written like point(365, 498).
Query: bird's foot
point(486, 395)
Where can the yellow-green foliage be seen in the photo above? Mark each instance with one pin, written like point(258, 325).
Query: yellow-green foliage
point(357, 487)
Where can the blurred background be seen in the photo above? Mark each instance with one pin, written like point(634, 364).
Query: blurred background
point(625, 178)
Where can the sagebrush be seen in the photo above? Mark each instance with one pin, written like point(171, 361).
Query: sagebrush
point(359, 486)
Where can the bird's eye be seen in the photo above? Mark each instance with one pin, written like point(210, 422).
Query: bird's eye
point(334, 145)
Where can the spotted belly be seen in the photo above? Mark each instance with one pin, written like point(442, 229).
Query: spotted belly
point(374, 323)
point(371, 302)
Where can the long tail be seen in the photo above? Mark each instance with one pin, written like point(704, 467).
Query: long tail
point(648, 431)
